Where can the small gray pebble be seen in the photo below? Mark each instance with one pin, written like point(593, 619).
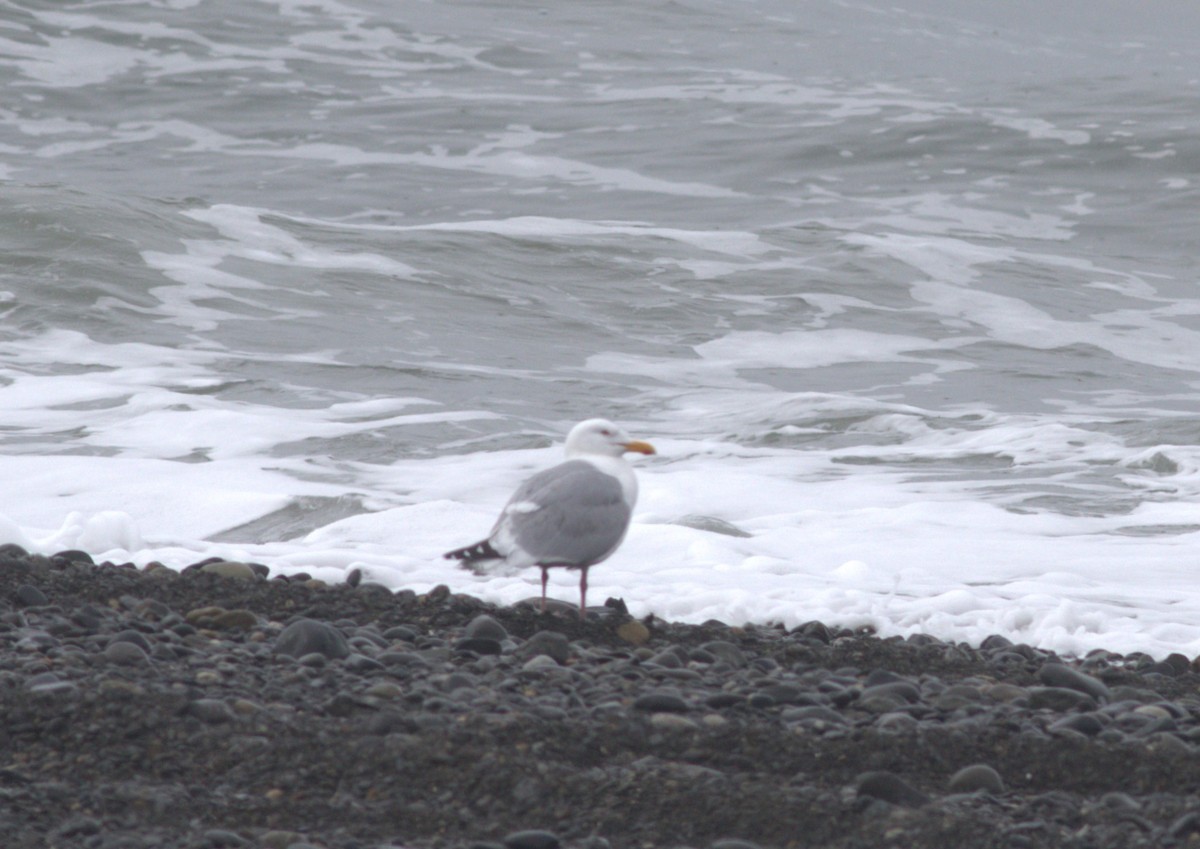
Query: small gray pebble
point(212, 711)
point(230, 569)
point(976, 777)
point(125, 654)
point(1059, 699)
point(1085, 723)
point(306, 636)
point(30, 596)
point(479, 645)
point(1061, 675)
point(891, 788)
point(552, 644)
point(661, 702)
point(727, 652)
point(131, 636)
point(532, 839)
point(362, 664)
point(485, 627)
point(219, 838)
point(902, 690)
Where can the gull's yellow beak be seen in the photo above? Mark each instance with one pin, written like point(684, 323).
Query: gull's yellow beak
point(639, 447)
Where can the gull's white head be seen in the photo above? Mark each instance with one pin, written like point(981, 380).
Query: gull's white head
point(600, 436)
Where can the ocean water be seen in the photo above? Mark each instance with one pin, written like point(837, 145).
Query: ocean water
point(906, 294)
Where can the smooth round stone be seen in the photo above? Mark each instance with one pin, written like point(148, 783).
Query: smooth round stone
point(785, 694)
point(1004, 692)
point(73, 555)
point(890, 788)
point(385, 690)
point(726, 651)
point(996, 642)
point(479, 645)
point(230, 569)
point(280, 839)
point(539, 662)
point(733, 843)
point(976, 778)
point(54, 688)
point(896, 722)
point(879, 703)
point(532, 839)
point(125, 653)
point(234, 620)
point(814, 714)
point(1060, 699)
point(402, 633)
point(219, 838)
point(212, 711)
point(633, 632)
point(1085, 723)
point(131, 636)
point(1119, 801)
point(903, 691)
point(361, 664)
point(661, 702)
point(551, 644)
point(30, 596)
point(1060, 675)
point(1168, 743)
point(484, 627)
point(724, 700)
point(308, 636)
point(672, 722)
point(34, 640)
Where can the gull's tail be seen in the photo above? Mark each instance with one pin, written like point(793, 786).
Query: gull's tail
point(471, 554)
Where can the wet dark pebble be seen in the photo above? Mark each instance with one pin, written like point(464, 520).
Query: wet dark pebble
point(532, 839)
point(223, 710)
point(891, 788)
point(308, 636)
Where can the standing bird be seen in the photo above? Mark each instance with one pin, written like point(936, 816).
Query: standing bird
point(572, 515)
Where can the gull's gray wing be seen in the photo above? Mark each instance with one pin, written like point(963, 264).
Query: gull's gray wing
point(570, 515)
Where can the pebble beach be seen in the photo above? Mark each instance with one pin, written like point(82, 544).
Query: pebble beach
point(220, 706)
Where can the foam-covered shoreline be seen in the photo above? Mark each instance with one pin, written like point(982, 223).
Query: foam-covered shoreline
point(148, 707)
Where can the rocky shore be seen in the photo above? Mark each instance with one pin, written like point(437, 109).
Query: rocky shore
point(221, 707)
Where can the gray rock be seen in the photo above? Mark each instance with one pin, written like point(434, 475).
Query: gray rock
point(1059, 699)
point(125, 653)
point(532, 839)
point(230, 569)
point(975, 778)
point(662, 701)
point(727, 652)
point(129, 635)
point(308, 636)
point(552, 644)
point(890, 788)
point(485, 627)
point(1084, 723)
point(30, 596)
point(212, 711)
point(1061, 675)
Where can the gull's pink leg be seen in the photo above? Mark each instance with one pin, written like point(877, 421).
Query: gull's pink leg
point(583, 593)
point(545, 575)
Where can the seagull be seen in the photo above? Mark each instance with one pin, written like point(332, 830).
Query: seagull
point(572, 515)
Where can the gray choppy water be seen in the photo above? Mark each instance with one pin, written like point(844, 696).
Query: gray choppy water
point(706, 215)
